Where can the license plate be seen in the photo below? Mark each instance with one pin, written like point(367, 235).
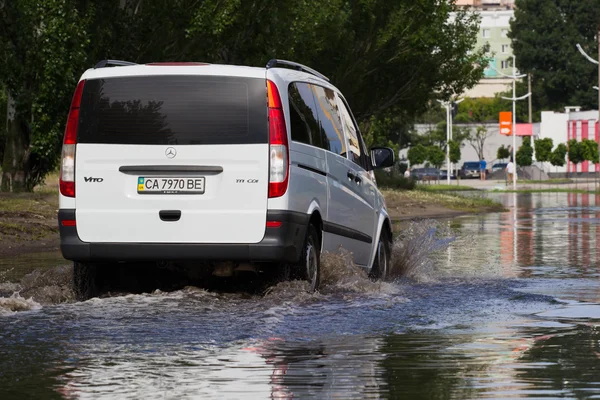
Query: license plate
point(170, 185)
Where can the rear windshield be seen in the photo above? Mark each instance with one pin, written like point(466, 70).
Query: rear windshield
point(472, 165)
point(174, 110)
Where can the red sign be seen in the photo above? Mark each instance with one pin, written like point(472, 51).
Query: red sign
point(506, 123)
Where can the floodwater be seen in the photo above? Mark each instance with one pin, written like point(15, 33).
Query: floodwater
point(497, 306)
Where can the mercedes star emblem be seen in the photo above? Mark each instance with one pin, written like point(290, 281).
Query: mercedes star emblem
point(170, 152)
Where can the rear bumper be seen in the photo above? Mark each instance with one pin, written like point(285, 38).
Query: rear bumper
point(282, 244)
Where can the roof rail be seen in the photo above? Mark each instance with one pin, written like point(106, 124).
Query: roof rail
point(275, 62)
point(107, 63)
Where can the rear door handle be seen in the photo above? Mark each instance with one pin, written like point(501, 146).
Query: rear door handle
point(169, 215)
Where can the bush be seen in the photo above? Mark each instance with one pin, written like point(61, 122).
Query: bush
point(393, 181)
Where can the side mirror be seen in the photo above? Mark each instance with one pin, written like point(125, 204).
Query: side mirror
point(382, 157)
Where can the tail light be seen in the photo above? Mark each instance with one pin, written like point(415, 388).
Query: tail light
point(278, 144)
point(67, 160)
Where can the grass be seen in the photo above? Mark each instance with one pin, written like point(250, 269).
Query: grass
point(450, 201)
point(548, 182)
point(444, 188)
point(548, 190)
point(41, 204)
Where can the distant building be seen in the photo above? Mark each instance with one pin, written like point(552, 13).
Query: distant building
point(486, 4)
point(572, 124)
point(493, 30)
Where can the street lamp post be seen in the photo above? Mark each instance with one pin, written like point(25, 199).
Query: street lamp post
point(448, 106)
point(590, 59)
point(514, 99)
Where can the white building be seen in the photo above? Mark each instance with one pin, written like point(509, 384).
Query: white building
point(572, 124)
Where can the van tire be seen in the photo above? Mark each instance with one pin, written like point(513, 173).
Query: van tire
point(381, 263)
point(84, 281)
point(308, 267)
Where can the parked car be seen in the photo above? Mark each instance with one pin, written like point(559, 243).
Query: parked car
point(470, 169)
point(499, 167)
point(444, 175)
point(217, 165)
point(424, 174)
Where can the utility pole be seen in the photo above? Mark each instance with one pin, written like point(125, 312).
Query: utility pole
point(529, 90)
point(590, 59)
point(448, 105)
point(514, 99)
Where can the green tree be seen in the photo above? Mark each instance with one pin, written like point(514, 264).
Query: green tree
point(524, 154)
point(477, 139)
point(544, 34)
point(590, 150)
point(557, 158)
point(417, 155)
point(454, 151)
point(435, 156)
point(481, 110)
point(361, 46)
point(503, 153)
point(543, 149)
point(42, 45)
point(575, 151)
point(2, 122)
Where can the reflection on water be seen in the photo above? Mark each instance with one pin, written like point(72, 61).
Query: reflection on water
point(510, 309)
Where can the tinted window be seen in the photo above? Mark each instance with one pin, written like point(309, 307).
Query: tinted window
point(174, 110)
point(331, 123)
point(354, 143)
point(304, 118)
point(471, 165)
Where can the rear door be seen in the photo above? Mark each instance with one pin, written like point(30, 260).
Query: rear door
point(172, 158)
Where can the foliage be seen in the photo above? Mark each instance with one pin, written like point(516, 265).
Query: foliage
point(393, 181)
point(360, 46)
point(2, 122)
point(575, 151)
point(481, 110)
point(417, 155)
point(40, 72)
point(557, 157)
point(435, 156)
point(477, 140)
point(502, 153)
point(524, 154)
point(544, 34)
point(454, 151)
point(437, 136)
point(381, 133)
point(589, 149)
point(543, 149)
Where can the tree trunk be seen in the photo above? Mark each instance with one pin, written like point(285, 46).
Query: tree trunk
point(14, 163)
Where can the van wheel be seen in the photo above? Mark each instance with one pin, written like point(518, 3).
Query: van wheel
point(309, 266)
point(84, 281)
point(381, 264)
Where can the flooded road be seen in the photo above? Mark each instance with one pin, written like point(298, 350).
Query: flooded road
point(495, 306)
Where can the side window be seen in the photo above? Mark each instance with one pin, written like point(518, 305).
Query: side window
point(331, 123)
point(355, 147)
point(304, 119)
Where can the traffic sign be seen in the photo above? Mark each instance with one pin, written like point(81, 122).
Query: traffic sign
point(506, 123)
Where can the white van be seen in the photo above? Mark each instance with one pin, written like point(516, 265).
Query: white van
point(186, 162)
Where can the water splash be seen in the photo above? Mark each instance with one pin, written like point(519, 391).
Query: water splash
point(16, 303)
point(340, 274)
point(413, 248)
point(412, 258)
point(41, 287)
